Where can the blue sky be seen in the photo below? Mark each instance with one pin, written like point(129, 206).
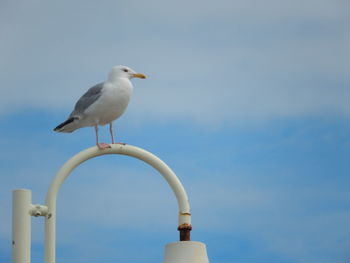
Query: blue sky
point(247, 101)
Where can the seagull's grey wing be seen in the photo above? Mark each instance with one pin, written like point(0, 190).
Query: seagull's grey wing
point(87, 99)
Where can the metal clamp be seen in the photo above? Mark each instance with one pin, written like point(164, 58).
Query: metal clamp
point(38, 210)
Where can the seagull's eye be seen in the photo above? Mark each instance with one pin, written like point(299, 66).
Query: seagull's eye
point(125, 70)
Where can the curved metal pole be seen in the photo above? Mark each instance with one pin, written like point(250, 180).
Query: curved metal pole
point(67, 168)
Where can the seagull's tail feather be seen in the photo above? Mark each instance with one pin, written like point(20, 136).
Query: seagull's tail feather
point(67, 126)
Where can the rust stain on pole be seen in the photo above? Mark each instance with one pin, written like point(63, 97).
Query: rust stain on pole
point(185, 232)
point(185, 214)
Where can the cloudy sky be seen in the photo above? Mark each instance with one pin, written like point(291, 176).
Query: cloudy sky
point(247, 101)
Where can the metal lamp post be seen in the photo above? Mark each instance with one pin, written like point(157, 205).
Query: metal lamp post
point(183, 251)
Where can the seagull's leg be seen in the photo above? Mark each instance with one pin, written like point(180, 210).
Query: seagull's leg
point(100, 145)
point(111, 131)
point(112, 135)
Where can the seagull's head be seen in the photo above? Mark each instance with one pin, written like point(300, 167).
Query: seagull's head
point(124, 72)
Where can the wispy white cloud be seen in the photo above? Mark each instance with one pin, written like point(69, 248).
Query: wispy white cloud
point(232, 61)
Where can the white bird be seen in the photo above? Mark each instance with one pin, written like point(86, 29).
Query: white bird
point(103, 103)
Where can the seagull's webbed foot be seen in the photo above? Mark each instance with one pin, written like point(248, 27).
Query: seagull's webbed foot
point(102, 146)
point(121, 143)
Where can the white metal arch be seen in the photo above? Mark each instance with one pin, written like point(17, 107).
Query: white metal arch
point(149, 158)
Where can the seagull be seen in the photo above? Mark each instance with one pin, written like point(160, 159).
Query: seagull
point(102, 103)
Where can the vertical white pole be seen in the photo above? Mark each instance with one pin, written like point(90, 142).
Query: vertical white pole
point(21, 225)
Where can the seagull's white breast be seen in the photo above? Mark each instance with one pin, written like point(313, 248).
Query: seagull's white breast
point(112, 103)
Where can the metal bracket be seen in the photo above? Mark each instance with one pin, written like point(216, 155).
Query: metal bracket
point(185, 232)
point(38, 210)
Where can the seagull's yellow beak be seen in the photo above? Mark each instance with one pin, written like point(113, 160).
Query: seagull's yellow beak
point(139, 75)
